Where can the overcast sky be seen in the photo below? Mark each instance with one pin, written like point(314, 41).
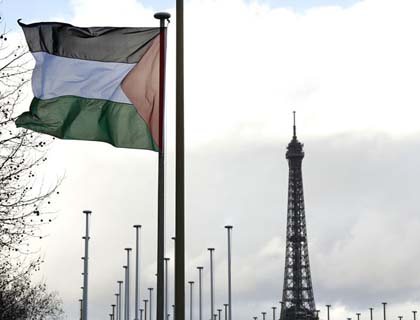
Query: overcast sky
point(351, 71)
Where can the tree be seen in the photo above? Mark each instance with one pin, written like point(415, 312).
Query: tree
point(21, 299)
point(23, 198)
point(21, 152)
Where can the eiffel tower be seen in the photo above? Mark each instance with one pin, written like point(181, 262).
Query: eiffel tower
point(298, 297)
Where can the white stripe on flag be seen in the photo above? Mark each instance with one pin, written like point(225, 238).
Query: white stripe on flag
point(56, 76)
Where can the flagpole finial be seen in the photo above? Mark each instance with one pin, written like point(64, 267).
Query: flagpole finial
point(162, 16)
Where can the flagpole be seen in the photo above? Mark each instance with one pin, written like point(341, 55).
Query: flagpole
point(85, 267)
point(229, 230)
point(162, 16)
point(125, 293)
point(200, 304)
point(211, 250)
point(179, 168)
point(166, 288)
point(127, 285)
point(137, 286)
point(117, 308)
point(119, 300)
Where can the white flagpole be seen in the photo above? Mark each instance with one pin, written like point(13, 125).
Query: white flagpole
point(137, 284)
point(85, 268)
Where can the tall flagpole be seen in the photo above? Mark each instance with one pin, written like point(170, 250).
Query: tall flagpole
point(229, 229)
point(125, 292)
point(166, 288)
point(85, 268)
point(137, 266)
point(179, 168)
point(117, 306)
point(127, 284)
point(150, 303)
point(200, 304)
point(119, 300)
point(211, 250)
point(162, 16)
point(191, 283)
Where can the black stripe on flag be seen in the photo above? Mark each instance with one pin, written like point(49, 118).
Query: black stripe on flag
point(106, 44)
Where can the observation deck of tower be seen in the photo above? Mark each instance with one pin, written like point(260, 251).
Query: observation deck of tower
point(298, 298)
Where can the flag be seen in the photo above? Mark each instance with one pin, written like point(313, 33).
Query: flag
point(98, 84)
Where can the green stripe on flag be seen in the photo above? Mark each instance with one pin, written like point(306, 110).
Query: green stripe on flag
point(71, 117)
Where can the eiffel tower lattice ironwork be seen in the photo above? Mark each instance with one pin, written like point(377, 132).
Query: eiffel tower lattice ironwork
point(298, 298)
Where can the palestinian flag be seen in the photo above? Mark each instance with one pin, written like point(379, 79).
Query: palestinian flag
point(99, 83)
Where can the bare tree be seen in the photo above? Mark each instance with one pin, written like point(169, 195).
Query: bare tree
point(23, 196)
point(21, 299)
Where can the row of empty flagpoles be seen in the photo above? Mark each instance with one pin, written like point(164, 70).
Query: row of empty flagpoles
point(121, 308)
point(267, 316)
point(144, 308)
